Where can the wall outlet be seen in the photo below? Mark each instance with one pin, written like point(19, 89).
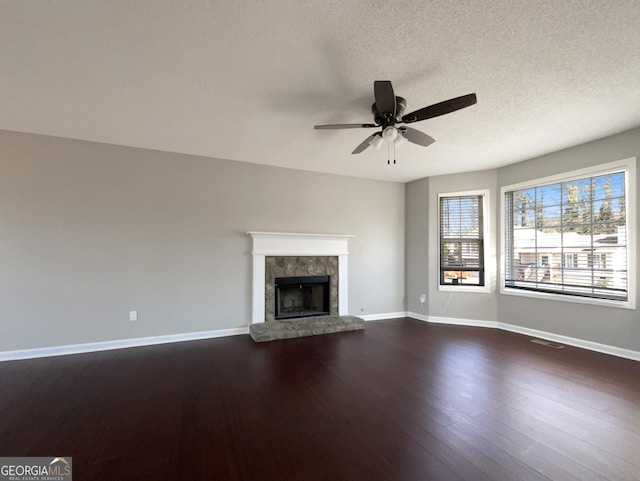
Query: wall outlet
point(133, 315)
point(423, 297)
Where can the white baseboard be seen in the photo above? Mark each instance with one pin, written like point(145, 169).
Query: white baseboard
point(418, 317)
point(461, 322)
point(381, 317)
point(433, 319)
point(192, 336)
point(451, 320)
point(571, 341)
point(119, 344)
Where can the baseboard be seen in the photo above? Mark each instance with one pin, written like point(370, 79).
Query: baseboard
point(462, 322)
point(418, 317)
point(451, 320)
point(433, 319)
point(192, 336)
point(381, 317)
point(119, 344)
point(571, 341)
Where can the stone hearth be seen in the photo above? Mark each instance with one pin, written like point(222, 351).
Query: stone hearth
point(308, 326)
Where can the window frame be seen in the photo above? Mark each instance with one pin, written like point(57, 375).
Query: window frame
point(628, 166)
point(484, 193)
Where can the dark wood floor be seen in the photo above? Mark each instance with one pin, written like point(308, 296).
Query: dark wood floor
point(402, 400)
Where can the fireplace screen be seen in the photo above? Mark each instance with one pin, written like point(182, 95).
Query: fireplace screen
point(301, 296)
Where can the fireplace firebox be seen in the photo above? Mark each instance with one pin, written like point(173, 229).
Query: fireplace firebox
point(305, 296)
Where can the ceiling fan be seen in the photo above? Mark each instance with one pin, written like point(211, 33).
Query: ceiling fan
point(388, 111)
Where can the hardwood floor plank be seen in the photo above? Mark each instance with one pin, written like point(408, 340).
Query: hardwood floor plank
point(527, 449)
point(591, 456)
point(616, 440)
point(401, 400)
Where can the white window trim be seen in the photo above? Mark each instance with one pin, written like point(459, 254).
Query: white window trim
point(488, 272)
point(628, 165)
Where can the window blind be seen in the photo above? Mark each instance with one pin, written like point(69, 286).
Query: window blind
point(569, 238)
point(461, 240)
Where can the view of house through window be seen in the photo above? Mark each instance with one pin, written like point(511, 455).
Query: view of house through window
point(568, 237)
point(461, 240)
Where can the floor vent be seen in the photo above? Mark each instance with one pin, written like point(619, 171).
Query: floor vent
point(554, 345)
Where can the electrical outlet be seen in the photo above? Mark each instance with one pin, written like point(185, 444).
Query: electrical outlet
point(423, 297)
point(133, 315)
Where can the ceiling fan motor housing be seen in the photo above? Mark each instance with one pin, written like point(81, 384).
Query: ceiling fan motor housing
point(401, 104)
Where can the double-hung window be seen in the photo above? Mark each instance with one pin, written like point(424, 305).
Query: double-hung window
point(571, 237)
point(462, 240)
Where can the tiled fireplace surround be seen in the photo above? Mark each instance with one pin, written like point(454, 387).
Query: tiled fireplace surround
point(299, 266)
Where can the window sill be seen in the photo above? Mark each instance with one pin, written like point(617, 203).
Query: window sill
point(463, 288)
point(630, 304)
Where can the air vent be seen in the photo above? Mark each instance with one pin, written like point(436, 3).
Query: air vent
point(554, 345)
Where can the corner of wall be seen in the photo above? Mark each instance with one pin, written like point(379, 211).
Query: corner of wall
point(416, 244)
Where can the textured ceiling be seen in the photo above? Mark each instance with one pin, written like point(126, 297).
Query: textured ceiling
point(247, 80)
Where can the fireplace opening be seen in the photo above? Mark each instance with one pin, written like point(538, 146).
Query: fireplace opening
point(301, 297)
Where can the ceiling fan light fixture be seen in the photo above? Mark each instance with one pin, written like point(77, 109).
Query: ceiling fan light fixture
point(390, 133)
point(400, 140)
point(376, 142)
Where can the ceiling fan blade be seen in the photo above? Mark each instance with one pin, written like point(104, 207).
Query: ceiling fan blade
point(440, 108)
point(364, 144)
point(344, 126)
point(385, 98)
point(417, 137)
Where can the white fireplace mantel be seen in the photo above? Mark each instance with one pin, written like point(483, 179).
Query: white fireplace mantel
point(297, 244)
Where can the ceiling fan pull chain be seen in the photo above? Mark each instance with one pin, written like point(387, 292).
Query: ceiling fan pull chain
point(393, 149)
point(391, 152)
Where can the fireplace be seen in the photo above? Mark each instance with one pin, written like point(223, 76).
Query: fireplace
point(277, 255)
point(304, 296)
point(300, 286)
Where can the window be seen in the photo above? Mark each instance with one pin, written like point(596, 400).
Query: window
point(571, 236)
point(462, 234)
point(570, 260)
point(597, 261)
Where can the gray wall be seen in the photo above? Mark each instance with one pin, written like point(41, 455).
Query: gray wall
point(612, 326)
point(90, 231)
point(417, 245)
point(606, 325)
point(422, 238)
point(465, 305)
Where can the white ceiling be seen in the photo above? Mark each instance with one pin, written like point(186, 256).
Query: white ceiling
point(247, 80)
